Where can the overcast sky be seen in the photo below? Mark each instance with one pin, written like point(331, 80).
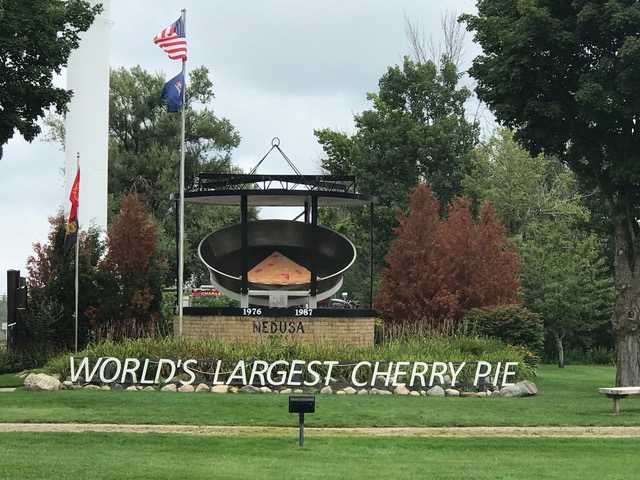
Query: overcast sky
point(280, 68)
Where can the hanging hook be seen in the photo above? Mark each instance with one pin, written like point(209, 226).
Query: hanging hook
point(275, 142)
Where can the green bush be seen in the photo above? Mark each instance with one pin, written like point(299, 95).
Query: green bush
point(513, 324)
point(34, 356)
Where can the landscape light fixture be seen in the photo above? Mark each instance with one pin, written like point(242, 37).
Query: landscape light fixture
point(302, 404)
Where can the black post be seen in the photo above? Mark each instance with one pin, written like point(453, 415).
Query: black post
point(244, 213)
point(301, 428)
point(314, 246)
point(16, 306)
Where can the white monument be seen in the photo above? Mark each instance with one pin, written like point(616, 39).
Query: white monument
point(87, 121)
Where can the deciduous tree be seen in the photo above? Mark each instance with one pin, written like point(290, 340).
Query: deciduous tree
point(36, 39)
point(416, 131)
point(439, 269)
point(564, 75)
point(131, 283)
point(51, 288)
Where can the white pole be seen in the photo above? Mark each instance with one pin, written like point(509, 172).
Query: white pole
point(182, 154)
point(77, 282)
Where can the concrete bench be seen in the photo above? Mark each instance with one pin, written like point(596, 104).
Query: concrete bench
point(616, 393)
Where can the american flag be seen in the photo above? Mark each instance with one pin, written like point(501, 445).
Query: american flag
point(173, 41)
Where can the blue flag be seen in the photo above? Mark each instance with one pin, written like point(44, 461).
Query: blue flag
point(173, 93)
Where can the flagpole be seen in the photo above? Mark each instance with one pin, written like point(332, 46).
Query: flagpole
point(77, 282)
point(182, 155)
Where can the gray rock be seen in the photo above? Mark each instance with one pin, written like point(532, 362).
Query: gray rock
point(250, 389)
point(527, 388)
point(118, 386)
point(384, 392)
point(436, 391)
point(374, 391)
point(363, 391)
point(186, 388)
point(473, 394)
point(510, 391)
point(202, 388)
point(401, 390)
point(67, 385)
point(447, 380)
point(40, 382)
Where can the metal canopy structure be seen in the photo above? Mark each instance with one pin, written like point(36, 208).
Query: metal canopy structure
point(297, 190)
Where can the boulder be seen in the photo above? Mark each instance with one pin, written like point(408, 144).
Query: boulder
point(265, 390)
point(92, 387)
point(401, 390)
point(473, 394)
point(414, 394)
point(41, 382)
point(452, 392)
point(186, 388)
point(363, 391)
point(326, 390)
point(169, 388)
point(202, 388)
point(510, 391)
point(132, 388)
point(250, 389)
point(350, 391)
point(219, 389)
point(527, 388)
point(436, 391)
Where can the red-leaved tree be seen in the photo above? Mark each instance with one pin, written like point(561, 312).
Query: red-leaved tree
point(439, 269)
point(131, 278)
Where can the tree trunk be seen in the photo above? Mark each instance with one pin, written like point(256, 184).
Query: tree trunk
point(626, 314)
point(560, 348)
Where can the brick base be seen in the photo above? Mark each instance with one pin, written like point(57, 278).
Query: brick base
point(356, 331)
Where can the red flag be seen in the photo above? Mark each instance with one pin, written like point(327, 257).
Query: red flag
point(173, 40)
point(71, 236)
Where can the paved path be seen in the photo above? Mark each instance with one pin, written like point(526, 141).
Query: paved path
point(532, 432)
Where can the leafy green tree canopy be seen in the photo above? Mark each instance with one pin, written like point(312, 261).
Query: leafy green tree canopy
point(36, 39)
point(564, 75)
point(524, 190)
point(144, 154)
point(416, 131)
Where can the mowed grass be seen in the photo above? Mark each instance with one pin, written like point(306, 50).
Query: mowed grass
point(566, 397)
point(152, 456)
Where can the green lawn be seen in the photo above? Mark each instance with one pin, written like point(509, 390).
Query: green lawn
point(567, 397)
point(150, 456)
